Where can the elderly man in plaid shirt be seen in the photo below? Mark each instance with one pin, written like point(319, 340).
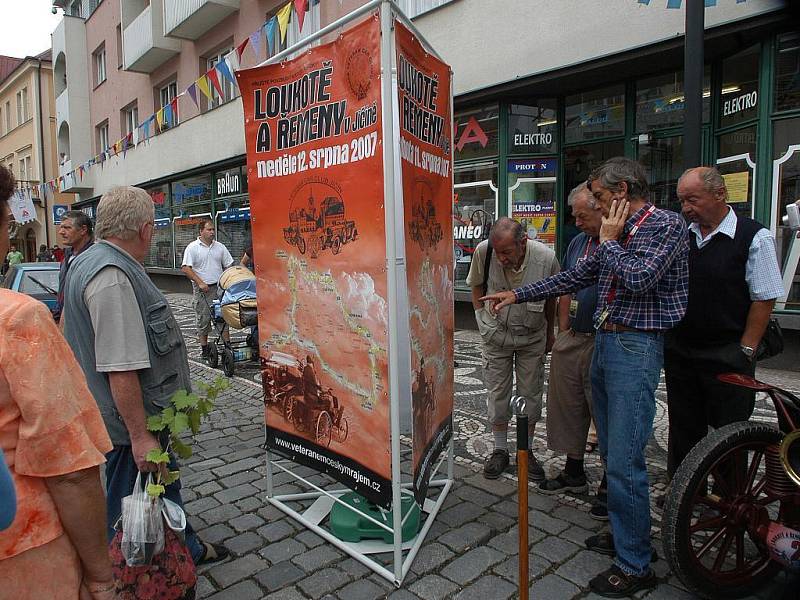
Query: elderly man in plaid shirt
point(641, 269)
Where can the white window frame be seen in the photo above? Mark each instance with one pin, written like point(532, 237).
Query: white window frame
point(8, 116)
point(166, 94)
point(100, 72)
point(102, 136)
point(25, 168)
point(230, 90)
point(22, 106)
point(131, 118)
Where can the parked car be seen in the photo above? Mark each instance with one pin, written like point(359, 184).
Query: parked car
point(38, 280)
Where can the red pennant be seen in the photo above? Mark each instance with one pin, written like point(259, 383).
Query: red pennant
point(240, 49)
point(301, 6)
point(214, 77)
point(174, 106)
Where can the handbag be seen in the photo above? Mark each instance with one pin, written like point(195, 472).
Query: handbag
point(772, 341)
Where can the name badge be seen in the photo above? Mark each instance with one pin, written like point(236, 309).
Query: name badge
point(602, 318)
point(573, 308)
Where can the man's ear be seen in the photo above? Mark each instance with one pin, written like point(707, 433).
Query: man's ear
point(623, 188)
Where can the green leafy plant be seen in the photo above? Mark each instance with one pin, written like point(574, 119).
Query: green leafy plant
point(186, 413)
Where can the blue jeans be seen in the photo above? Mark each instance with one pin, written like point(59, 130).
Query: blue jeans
point(625, 372)
point(121, 474)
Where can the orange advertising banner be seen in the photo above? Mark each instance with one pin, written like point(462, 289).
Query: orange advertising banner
point(315, 170)
point(426, 160)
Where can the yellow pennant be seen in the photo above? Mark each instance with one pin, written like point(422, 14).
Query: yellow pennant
point(160, 118)
point(283, 20)
point(202, 83)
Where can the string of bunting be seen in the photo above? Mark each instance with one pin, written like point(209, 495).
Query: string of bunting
point(166, 117)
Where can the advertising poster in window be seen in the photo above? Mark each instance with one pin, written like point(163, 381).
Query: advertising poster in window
point(425, 144)
point(315, 171)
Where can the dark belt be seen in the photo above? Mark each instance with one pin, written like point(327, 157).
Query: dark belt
point(617, 328)
point(587, 334)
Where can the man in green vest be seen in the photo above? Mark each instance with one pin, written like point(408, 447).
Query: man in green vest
point(14, 256)
point(516, 339)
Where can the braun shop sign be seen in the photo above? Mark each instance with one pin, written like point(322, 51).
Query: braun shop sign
point(228, 183)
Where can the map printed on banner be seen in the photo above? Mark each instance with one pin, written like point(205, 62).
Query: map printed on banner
point(425, 144)
point(315, 169)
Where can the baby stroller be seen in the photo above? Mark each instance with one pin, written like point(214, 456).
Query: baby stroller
point(235, 308)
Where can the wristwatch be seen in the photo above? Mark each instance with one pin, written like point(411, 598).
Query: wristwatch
point(749, 351)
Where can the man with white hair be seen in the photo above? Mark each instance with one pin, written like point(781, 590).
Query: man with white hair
point(734, 279)
point(129, 346)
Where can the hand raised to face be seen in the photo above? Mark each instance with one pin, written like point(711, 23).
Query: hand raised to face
point(611, 227)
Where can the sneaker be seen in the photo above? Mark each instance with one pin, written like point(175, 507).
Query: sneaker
point(615, 583)
point(535, 469)
point(599, 510)
point(564, 483)
point(496, 464)
point(212, 553)
point(603, 543)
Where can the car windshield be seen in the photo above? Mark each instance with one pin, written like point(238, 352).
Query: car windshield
point(47, 278)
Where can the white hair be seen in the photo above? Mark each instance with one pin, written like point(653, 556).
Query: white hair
point(122, 212)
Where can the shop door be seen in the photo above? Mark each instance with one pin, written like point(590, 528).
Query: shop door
point(474, 210)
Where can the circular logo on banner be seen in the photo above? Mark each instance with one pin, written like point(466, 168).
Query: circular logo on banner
point(59, 212)
point(359, 72)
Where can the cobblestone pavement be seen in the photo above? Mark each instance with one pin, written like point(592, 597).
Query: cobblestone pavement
point(470, 552)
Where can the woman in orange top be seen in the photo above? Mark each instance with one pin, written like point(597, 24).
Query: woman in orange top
point(54, 439)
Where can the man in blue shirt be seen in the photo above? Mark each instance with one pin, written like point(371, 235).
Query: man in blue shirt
point(641, 271)
point(569, 395)
point(734, 280)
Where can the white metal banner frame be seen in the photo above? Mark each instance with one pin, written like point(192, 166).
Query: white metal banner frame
point(399, 378)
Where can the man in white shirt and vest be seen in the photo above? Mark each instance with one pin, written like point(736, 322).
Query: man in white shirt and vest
point(516, 339)
point(204, 260)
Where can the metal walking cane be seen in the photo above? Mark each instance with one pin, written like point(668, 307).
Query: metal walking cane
point(518, 406)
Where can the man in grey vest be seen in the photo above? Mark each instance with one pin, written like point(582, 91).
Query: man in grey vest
point(515, 339)
point(128, 344)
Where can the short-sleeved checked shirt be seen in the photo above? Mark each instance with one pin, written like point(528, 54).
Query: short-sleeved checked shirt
point(650, 272)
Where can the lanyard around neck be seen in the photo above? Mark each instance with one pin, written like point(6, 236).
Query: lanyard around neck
point(612, 292)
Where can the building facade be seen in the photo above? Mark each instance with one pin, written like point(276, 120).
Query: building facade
point(27, 144)
point(544, 91)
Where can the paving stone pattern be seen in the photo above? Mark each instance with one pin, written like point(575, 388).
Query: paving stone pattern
point(471, 550)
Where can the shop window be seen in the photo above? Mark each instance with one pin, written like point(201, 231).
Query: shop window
point(663, 163)
point(736, 162)
point(739, 92)
point(579, 161)
point(785, 190)
point(160, 253)
point(192, 190)
point(476, 133)
point(532, 197)
point(233, 226)
point(596, 114)
point(474, 209)
point(787, 72)
point(660, 101)
point(533, 129)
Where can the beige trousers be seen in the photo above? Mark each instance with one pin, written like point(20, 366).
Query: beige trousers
point(499, 365)
point(569, 393)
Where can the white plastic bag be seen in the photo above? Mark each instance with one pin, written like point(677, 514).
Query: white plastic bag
point(142, 525)
point(175, 518)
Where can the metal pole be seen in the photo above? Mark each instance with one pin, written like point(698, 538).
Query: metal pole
point(693, 84)
point(518, 406)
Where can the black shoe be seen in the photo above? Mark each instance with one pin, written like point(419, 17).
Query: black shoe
point(205, 352)
point(599, 510)
point(212, 553)
point(564, 483)
point(603, 543)
point(496, 464)
point(615, 583)
point(535, 470)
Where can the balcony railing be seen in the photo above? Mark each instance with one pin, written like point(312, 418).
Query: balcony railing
point(189, 19)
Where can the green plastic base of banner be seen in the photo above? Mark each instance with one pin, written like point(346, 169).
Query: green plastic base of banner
point(349, 526)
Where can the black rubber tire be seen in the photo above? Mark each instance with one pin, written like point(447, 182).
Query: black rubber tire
point(213, 356)
point(678, 511)
point(228, 364)
point(323, 428)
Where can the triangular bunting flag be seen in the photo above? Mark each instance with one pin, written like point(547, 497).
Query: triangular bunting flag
point(255, 41)
point(160, 118)
point(301, 6)
point(233, 61)
point(192, 89)
point(174, 105)
point(212, 75)
point(202, 83)
point(283, 20)
point(223, 69)
point(168, 115)
point(240, 49)
point(135, 137)
point(80, 172)
point(270, 27)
